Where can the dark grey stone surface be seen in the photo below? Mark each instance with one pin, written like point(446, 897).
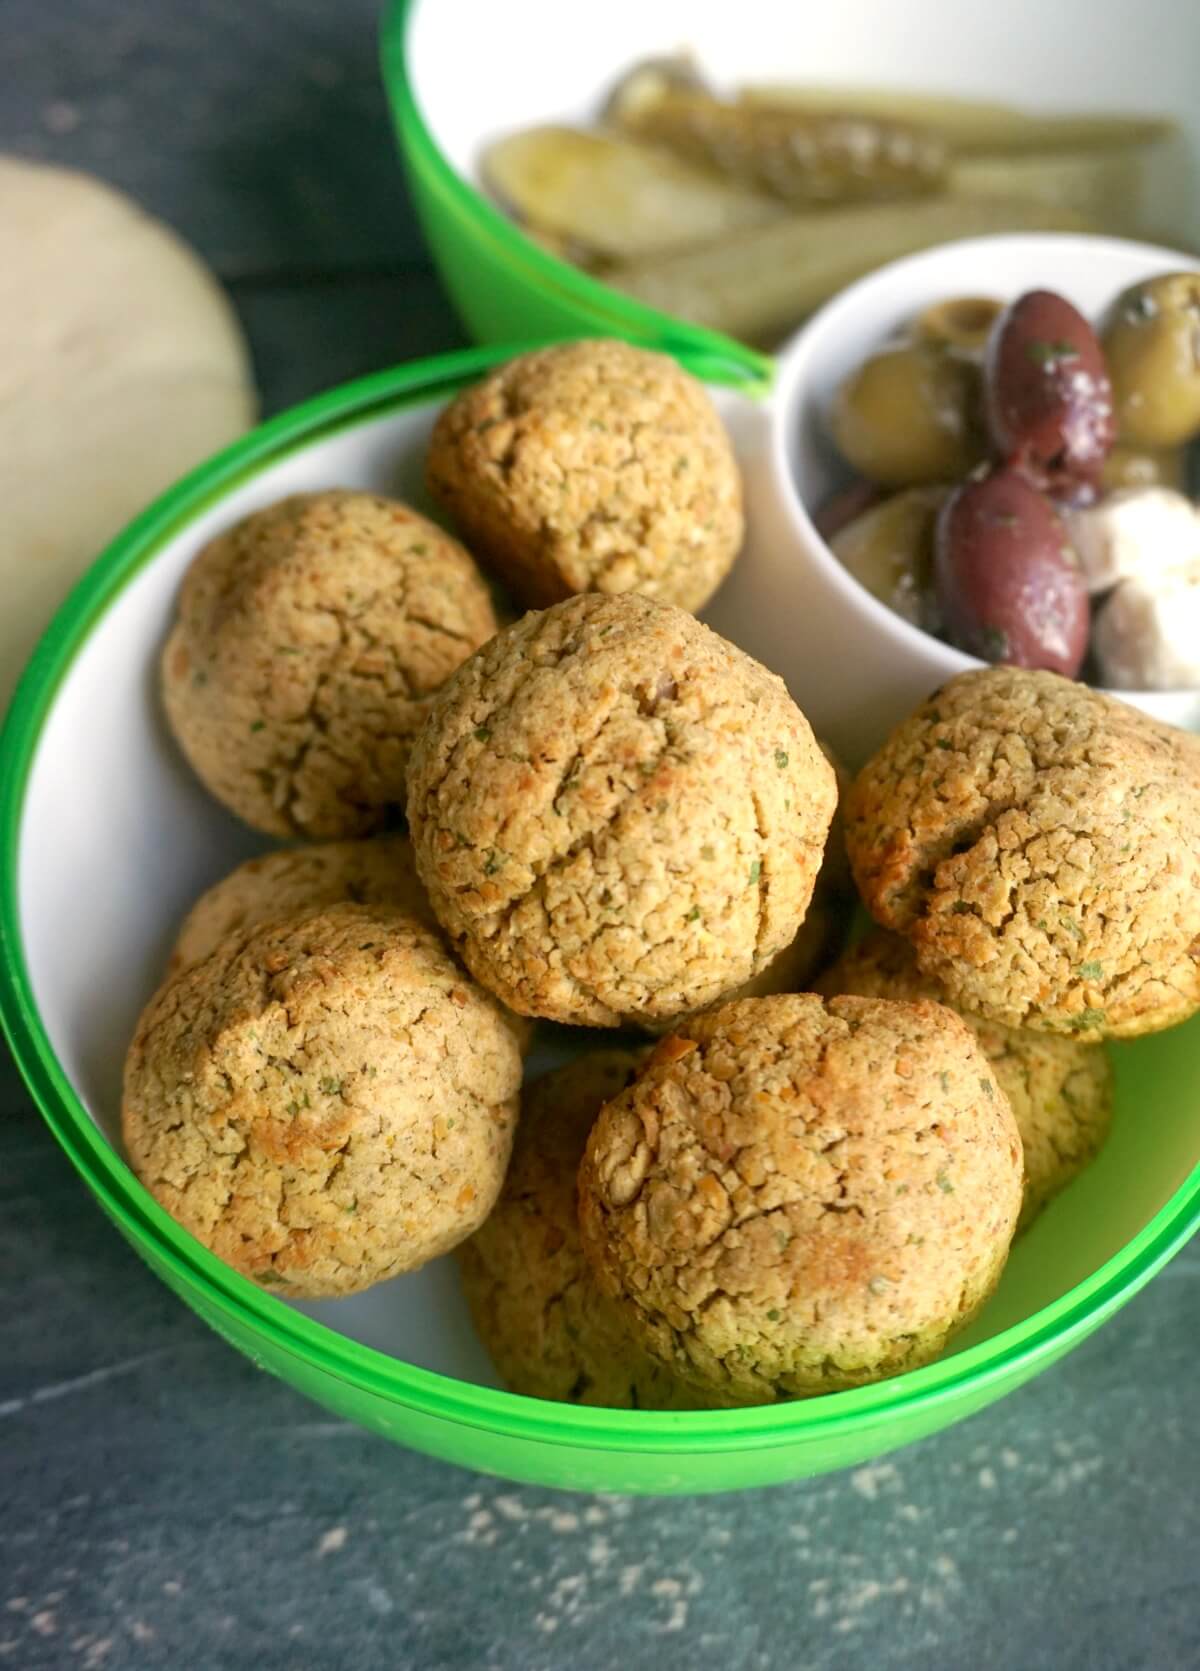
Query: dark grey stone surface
point(257, 127)
point(162, 1503)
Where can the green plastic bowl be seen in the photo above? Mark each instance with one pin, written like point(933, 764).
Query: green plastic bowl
point(105, 838)
point(458, 74)
point(506, 288)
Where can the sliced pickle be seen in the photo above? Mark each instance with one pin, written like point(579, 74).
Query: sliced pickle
point(765, 281)
point(968, 127)
point(566, 249)
point(1106, 185)
point(613, 197)
point(800, 157)
point(644, 80)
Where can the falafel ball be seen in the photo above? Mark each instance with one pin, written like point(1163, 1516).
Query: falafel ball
point(617, 815)
point(323, 1102)
point(1038, 843)
point(591, 467)
point(824, 931)
point(309, 639)
point(799, 1195)
point(295, 881)
point(548, 1329)
point(1060, 1091)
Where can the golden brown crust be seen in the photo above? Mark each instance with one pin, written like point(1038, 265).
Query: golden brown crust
point(1060, 1091)
point(309, 639)
point(295, 881)
point(592, 466)
point(549, 1330)
point(1038, 842)
point(616, 814)
point(798, 1194)
point(822, 934)
point(324, 1102)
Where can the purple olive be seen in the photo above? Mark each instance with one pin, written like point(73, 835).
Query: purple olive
point(1049, 400)
point(1007, 582)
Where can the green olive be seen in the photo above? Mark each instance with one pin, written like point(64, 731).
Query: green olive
point(908, 415)
point(1152, 348)
point(889, 550)
point(1142, 467)
point(963, 323)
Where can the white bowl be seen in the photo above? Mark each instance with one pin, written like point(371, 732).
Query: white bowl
point(859, 663)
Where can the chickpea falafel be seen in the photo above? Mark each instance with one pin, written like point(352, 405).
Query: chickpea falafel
point(323, 1102)
point(591, 466)
point(617, 815)
point(309, 639)
point(798, 1195)
point(1038, 843)
point(547, 1327)
point(294, 881)
point(1060, 1091)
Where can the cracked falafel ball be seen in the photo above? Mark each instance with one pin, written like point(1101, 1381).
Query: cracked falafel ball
point(591, 467)
point(822, 934)
point(323, 1102)
point(548, 1329)
point(798, 1195)
point(1060, 1091)
point(829, 917)
point(309, 639)
point(1038, 843)
point(295, 881)
point(617, 815)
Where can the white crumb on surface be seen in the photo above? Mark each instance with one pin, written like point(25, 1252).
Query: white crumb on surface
point(868, 1482)
point(331, 1541)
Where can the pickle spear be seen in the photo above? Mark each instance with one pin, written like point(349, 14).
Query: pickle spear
point(614, 198)
point(801, 157)
point(765, 281)
point(968, 127)
point(1107, 185)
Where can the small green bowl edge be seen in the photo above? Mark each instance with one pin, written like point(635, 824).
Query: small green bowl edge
point(526, 290)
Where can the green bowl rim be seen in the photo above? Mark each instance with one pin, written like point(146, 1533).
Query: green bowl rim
point(971, 1372)
point(715, 357)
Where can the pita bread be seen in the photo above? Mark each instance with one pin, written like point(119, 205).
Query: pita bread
point(121, 365)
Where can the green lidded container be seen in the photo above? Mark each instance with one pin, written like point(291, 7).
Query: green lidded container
point(504, 287)
point(67, 1025)
point(457, 75)
point(81, 721)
